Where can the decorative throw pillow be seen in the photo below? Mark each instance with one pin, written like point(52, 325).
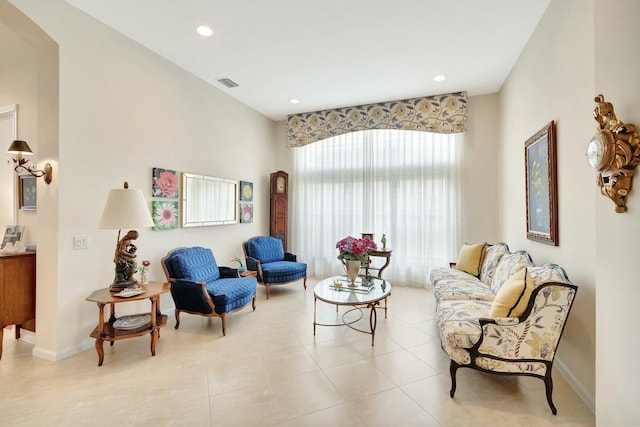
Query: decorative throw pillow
point(470, 258)
point(513, 297)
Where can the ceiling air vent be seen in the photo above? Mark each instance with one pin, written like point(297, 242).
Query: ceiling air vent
point(228, 82)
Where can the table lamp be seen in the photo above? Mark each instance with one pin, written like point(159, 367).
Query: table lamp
point(125, 208)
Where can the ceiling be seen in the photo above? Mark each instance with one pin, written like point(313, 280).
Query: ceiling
point(331, 53)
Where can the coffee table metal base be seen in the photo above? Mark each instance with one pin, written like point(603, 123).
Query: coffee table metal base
point(367, 295)
point(373, 318)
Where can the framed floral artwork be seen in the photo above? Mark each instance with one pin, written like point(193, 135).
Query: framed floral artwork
point(165, 183)
point(246, 212)
point(165, 214)
point(541, 185)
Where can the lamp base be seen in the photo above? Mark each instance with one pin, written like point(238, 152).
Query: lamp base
point(118, 286)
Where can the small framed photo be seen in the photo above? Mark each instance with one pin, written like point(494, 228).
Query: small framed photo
point(12, 234)
point(27, 196)
point(246, 191)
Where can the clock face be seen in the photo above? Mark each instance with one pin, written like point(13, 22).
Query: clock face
point(600, 150)
point(280, 185)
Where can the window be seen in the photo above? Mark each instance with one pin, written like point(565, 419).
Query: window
point(404, 184)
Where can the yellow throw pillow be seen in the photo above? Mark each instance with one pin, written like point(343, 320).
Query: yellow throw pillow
point(470, 258)
point(513, 297)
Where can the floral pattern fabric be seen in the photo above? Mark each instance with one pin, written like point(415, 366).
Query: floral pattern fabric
point(451, 289)
point(506, 342)
point(492, 257)
point(509, 265)
point(438, 114)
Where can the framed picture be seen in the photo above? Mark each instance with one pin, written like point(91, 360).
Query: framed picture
point(12, 234)
point(246, 191)
point(165, 183)
point(246, 212)
point(165, 214)
point(542, 189)
point(27, 196)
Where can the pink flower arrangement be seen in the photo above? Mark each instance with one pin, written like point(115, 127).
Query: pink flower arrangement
point(354, 249)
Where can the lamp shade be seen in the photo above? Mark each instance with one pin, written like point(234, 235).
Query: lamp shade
point(125, 208)
point(20, 147)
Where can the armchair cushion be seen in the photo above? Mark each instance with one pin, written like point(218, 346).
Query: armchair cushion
point(266, 249)
point(196, 264)
point(283, 271)
point(230, 294)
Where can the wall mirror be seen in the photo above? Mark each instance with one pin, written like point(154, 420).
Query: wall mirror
point(207, 200)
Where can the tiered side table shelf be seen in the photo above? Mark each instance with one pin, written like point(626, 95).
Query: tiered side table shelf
point(105, 331)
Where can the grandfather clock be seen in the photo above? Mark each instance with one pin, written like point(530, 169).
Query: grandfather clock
point(279, 223)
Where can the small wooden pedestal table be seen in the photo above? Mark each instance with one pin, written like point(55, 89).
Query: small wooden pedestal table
point(105, 331)
point(335, 290)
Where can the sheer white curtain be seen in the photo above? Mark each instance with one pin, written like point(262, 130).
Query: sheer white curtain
point(403, 184)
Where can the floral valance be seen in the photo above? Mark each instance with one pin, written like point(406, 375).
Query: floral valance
point(438, 114)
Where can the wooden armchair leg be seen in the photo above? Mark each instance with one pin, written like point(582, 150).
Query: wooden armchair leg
point(223, 316)
point(253, 303)
point(267, 286)
point(548, 386)
point(453, 367)
point(177, 318)
point(305, 282)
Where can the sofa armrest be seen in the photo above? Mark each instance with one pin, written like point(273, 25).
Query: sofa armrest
point(228, 272)
point(535, 335)
point(290, 257)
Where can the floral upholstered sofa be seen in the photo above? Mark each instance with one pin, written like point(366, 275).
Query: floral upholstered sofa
point(499, 313)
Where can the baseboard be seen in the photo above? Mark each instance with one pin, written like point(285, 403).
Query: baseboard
point(70, 351)
point(54, 356)
point(586, 397)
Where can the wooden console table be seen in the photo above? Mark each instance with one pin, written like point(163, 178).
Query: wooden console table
point(17, 293)
point(105, 331)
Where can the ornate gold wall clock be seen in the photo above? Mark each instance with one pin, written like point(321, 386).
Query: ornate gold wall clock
point(615, 152)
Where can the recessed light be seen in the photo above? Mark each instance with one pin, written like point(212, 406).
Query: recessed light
point(294, 101)
point(439, 78)
point(204, 31)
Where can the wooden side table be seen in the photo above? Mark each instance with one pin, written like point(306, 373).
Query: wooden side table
point(248, 273)
point(105, 331)
point(381, 254)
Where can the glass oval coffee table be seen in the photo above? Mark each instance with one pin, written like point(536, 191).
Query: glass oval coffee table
point(368, 293)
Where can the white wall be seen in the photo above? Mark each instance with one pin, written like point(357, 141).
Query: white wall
point(553, 80)
point(122, 111)
point(617, 34)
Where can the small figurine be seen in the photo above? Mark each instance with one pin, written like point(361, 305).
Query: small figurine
point(384, 241)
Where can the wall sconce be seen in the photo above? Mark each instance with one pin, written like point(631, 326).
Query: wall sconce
point(21, 148)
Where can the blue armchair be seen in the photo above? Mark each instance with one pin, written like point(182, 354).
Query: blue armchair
point(199, 286)
point(273, 266)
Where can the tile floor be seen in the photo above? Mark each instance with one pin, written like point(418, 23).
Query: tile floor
point(271, 371)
